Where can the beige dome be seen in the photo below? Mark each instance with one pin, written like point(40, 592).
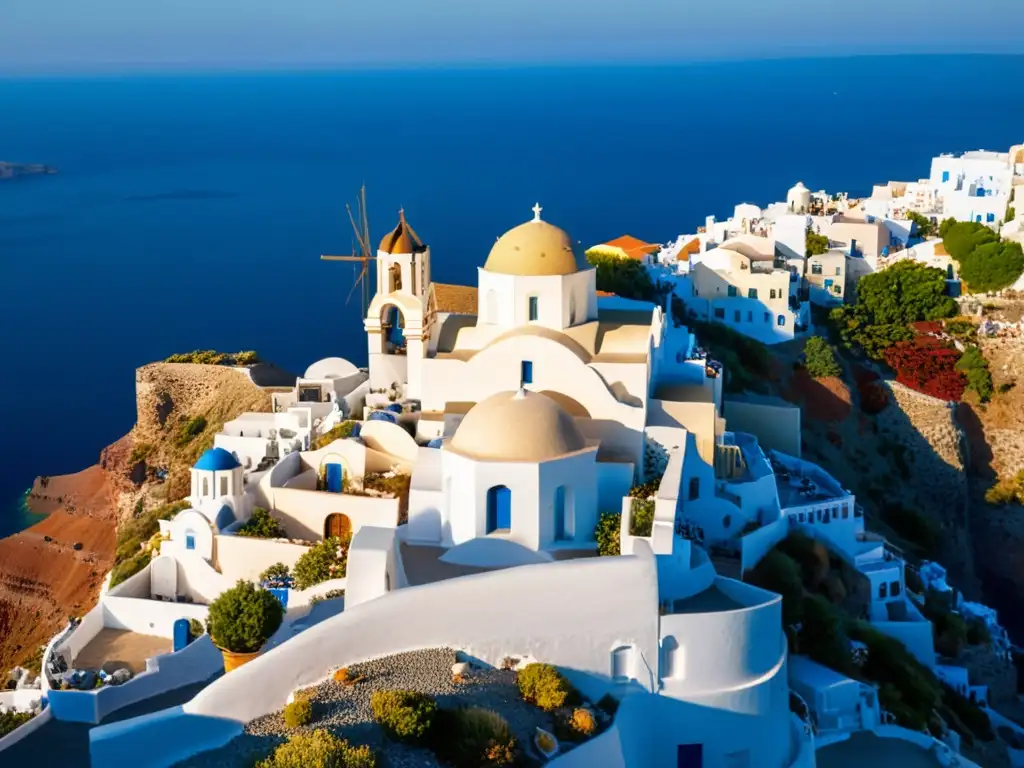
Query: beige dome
point(517, 426)
point(534, 248)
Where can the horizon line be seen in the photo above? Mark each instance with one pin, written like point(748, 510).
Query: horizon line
point(128, 70)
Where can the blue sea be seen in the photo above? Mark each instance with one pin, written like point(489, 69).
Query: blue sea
point(190, 210)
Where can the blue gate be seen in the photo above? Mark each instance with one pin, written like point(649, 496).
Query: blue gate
point(181, 634)
point(334, 478)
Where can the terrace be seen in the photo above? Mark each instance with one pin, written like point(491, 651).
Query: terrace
point(801, 483)
point(113, 649)
point(865, 748)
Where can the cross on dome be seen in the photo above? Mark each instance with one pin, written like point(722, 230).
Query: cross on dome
point(536, 211)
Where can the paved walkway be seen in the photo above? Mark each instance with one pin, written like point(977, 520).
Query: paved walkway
point(62, 745)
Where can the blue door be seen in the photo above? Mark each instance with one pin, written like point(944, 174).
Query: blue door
point(181, 634)
point(334, 476)
point(281, 593)
point(690, 756)
point(560, 513)
point(499, 509)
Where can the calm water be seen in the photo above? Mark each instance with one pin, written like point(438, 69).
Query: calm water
point(190, 211)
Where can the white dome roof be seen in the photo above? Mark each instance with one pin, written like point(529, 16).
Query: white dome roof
point(330, 368)
point(517, 426)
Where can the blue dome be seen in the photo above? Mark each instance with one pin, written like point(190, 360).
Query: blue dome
point(216, 460)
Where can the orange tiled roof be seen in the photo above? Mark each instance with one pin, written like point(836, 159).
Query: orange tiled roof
point(633, 247)
point(606, 294)
point(689, 249)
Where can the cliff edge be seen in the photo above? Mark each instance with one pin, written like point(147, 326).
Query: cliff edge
point(55, 568)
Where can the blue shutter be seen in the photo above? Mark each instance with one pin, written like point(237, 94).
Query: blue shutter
point(526, 372)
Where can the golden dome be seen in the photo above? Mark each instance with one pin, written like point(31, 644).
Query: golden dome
point(402, 239)
point(517, 426)
point(534, 248)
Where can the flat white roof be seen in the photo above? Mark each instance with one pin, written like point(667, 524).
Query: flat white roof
point(815, 675)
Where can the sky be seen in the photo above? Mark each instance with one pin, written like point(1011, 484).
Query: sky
point(80, 36)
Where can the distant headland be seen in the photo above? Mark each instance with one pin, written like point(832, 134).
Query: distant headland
point(14, 170)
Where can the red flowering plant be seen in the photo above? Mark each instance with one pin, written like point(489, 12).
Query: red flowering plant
point(928, 365)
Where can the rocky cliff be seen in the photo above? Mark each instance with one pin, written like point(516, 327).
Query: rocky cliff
point(55, 568)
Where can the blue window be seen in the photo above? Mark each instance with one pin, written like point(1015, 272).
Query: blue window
point(945, 175)
point(732, 290)
point(978, 218)
point(526, 372)
point(981, 192)
point(990, 218)
point(828, 282)
point(533, 308)
point(782, 321)
point(190, 540)
point(751, 293)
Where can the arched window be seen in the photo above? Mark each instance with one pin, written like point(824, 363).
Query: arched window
point(534, 309)
point(883, 590)
point(190, 539)
point(621, 658)
point(782, 321)
point(671, 658)
point(206, 486)
point(223, 485)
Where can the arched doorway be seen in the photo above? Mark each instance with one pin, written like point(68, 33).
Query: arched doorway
point(392, 323)
point(499, 509)
point(564, 517)
point(337, 526)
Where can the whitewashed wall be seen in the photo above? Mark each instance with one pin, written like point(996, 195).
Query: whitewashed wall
point(243, 557)
point(552, 612)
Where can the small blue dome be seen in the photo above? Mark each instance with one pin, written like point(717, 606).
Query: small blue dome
point(216, 460)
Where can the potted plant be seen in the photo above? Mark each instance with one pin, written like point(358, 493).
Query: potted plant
point(241, 620)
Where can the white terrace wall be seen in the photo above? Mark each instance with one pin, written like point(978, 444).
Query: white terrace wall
point(755, 545)
point(572, 614)
point(148, 617)
point(197, 662)
point(243, 557)
point(303, 513)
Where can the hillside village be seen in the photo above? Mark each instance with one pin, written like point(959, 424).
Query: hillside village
point(717, 502)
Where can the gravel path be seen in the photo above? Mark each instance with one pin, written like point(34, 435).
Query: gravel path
point(345, 710)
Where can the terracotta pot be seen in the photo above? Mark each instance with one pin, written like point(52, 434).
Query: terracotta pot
point(235, 660)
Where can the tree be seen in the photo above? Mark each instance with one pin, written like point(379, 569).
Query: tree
point(624, 277)
point(820, 359)
point(243, 618)
point(992, 266)
point(888, 301)
point(321, 562)
point(963, 237)
point(262, 526)
point(925, 227)
point(945, 226)
point(974, 366)
point(815, 244)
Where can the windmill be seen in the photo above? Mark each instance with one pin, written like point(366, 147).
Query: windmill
point(364, 254)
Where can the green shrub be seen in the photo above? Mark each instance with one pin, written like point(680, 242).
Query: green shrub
point(319, 749)
point(978, 633)
point(278, 572)
point(404, 715)
point(778, 572)
point(747, 363)
point(823, 634)
point(322, 562)
point(191, 429)
point(624, 277)
point(925, 228)
point(298, 713)
point(124, 570)
point(473, 737)
point(962, 238)
point(212, 357)
point(544, 686)
point(641, 523)
point(992, 266)
point(11, 720)
point(820, 359)
point(338, 432)
point(140, 452)
point(815, 244)
point(395, 485)
point(243, 618)
point(608, 533)
point(262, 526)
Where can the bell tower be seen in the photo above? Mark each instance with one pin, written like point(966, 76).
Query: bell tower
point(395, 319)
